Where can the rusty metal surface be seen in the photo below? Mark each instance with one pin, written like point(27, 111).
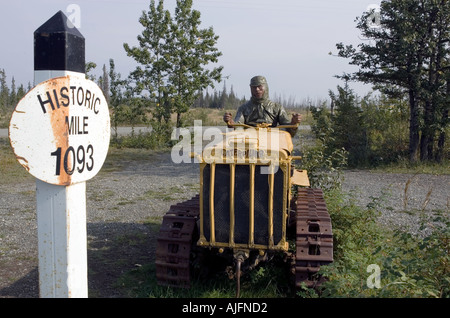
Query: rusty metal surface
point(60, 130)
point(174, 244)
point(314, 237)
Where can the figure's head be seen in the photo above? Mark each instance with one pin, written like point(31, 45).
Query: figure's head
point(259, 88)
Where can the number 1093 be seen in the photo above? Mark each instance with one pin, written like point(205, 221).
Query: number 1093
point(74, 160)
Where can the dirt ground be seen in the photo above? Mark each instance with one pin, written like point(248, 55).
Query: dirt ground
point(124, 205)
point(123, 210)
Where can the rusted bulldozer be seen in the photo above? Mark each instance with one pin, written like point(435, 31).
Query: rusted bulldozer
point(251, 196)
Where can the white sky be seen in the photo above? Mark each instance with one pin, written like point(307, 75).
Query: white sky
point(287, 41)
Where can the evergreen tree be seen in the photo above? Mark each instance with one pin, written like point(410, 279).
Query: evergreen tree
point(347, 126)
point(13, 94)
point(408, 53)
point(20, 92)
point(104, 83)
point(223, 98)
point(173, 55)
point(193, 50)
point(151, 75)
point(88, 68)
point(116, 85)
point(4, 91)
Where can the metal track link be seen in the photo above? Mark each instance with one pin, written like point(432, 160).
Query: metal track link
point(174, 243)
point(314, 237)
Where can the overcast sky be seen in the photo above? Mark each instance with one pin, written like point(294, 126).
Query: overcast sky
point(288, 41)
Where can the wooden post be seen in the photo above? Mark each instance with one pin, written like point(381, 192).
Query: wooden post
point(59, 50)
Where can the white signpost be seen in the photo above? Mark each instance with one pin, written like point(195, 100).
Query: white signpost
point(60, 133)
point(60, 130)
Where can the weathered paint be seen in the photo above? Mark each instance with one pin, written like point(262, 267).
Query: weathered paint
point(62, 240)
point(62, 118)
point(57, 118)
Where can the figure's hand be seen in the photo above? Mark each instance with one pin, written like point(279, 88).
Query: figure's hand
point(228, 118)
point(296, 119)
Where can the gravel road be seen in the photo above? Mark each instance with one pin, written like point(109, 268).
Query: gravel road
point(119, 202)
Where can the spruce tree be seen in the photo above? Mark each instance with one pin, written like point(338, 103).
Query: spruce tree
point(407, 52)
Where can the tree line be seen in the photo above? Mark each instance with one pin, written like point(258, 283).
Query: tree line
point(10, 94)
point(369, 130)
point(406, 54)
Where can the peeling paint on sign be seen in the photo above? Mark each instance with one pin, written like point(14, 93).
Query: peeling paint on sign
point(60, 130)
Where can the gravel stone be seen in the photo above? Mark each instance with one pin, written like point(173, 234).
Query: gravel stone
point(119, 203)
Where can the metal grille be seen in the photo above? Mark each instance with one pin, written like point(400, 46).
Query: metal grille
point(241, 204)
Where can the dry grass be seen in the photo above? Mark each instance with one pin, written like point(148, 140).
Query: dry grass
point(11, 172)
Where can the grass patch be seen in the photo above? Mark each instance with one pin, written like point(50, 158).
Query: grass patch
point(118, 158)
point(409, 266)
point(264, 281)
point(172, 194)
point(405, 166)
point(11, 171)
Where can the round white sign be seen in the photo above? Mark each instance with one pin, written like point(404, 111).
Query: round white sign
point(60, 130)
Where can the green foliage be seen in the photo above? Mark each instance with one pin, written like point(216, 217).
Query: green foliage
point(173, 56)
point(115, 98)
point(9, 97)
point(356, 236)
point(219, 99)
point(419, 267)
point(347, 126)
point(158, 139)
point(410, 266)
point(408, 55)
point(324, 166)
point(386, 124)
point(373, 130)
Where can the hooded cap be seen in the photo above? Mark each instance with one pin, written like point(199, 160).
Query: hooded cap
point(260, 80)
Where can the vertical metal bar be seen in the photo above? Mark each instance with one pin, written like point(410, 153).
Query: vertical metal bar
point(270, 209)
point(202, 168)
point(285, 190)
point(212, 238)
point(251, 212)
point(232, 217)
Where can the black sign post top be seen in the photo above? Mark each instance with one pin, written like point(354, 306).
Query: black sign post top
point(59, 46)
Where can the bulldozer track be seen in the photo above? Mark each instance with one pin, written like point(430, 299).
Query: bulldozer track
point(314, 238)
point(174, 243)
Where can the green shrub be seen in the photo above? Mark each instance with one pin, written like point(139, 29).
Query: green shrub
point(419, 266)
point(410, 266)
point(158, 138)
point(373, 130)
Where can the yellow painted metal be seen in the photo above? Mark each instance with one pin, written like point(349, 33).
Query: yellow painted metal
point(251, 212)
point(273, 148)
point(202, 239)
point(300, 177)
point(232, 218)
point(282, 244)
point(286, 189)
point(211, 205)
point(270, 209)
point(250, 146)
